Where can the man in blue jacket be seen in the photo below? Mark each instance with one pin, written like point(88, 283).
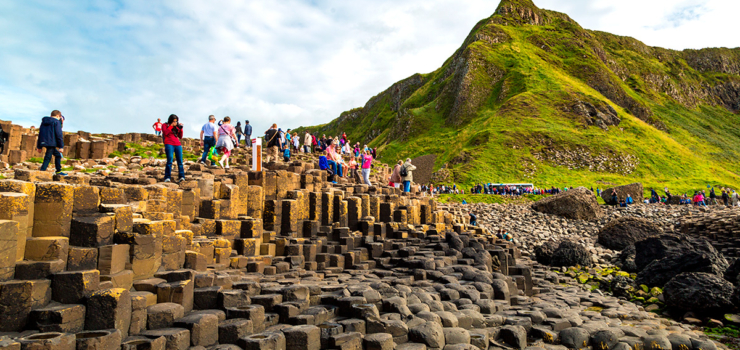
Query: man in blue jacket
point(52, 138)
point(248, 133)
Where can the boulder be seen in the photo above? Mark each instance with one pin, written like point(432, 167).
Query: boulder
point(621, 232)
point(578, 203)
point(732, 274)
point(634, 190)
point(626, 259)
point(571, 254)
point(544, 252)
point(622, 286)
point(698, 291)
point(668, 255)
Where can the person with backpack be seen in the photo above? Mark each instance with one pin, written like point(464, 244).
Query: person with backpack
point(172, 136)
point(272, 137)
point(407, 175)
point(51, 138)
point(225, 142)
point(366, 161)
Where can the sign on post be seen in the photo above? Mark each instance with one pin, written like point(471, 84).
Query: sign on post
point(257, 154)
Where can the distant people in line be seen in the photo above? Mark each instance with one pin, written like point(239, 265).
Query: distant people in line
point(272, 139)
point(51, 138)
point(248, 134)
point(239, 133)
point(225, 142)
point(172, 136)
point(407, 174)
point(157, 127)
point(208, 137)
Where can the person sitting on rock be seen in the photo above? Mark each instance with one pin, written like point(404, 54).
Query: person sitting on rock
point(623, 204)
point(629, 200)
point(473, 219)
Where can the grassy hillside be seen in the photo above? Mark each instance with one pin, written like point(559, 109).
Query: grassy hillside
point(532, 96)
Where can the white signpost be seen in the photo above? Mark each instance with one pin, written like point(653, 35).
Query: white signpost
point(257, 154)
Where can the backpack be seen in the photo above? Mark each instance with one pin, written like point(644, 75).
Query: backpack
point(403, 172)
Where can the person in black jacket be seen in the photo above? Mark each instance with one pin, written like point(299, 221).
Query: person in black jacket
point(52, 138)
point(272, 138)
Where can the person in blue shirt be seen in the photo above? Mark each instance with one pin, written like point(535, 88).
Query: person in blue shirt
point(208, 137)
point(286, 154)
point(473, 219)
point(51, 138)
point(248, 134)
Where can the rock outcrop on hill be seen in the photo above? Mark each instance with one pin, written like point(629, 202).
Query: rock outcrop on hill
point(634, 190)
point(531, 87)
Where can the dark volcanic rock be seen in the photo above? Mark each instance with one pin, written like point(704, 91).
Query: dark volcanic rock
point(634, 190)
point(571, 254)
point(544, 252)
point(578, 203)
point(620, 233)
point(668, 255)
point(626, 259)
point(622, 286)
point(698, 291)
point(732, 273)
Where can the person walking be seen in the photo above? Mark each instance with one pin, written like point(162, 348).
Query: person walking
point(157, 127)
point(51, 138)
point(725, 198)
point(272, 137)
point(225, 142)
point(239, 133)
point(248, 134)
point(735, 199)
point(208, 137)
point(366, 161)
point(407, 174)
point(172, 136)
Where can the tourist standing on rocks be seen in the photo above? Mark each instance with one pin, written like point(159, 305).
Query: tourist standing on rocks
point(171, 135)
point(615, 198)
point(225, 142)
point(308, 143)
point(334, 159)
point(248, 134)
point(208, 136)
point(296, 141)
point(395, 180)
point(239, 133)
point(366, 160)
point(725, 198)
point(157, 127)
point(407, 174)
point(272, 138)
point(735, 199)
point(51, 138)
point(713, 197)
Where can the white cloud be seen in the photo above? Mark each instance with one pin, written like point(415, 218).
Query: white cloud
point(116, 67)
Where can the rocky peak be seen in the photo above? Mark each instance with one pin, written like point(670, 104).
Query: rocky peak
point(521, 11)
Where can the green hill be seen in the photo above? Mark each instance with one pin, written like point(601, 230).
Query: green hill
point(532, 96)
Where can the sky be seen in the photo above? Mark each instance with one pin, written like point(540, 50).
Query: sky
point(115, 66)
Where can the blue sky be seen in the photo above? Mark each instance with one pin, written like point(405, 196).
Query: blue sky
point(114, 66)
